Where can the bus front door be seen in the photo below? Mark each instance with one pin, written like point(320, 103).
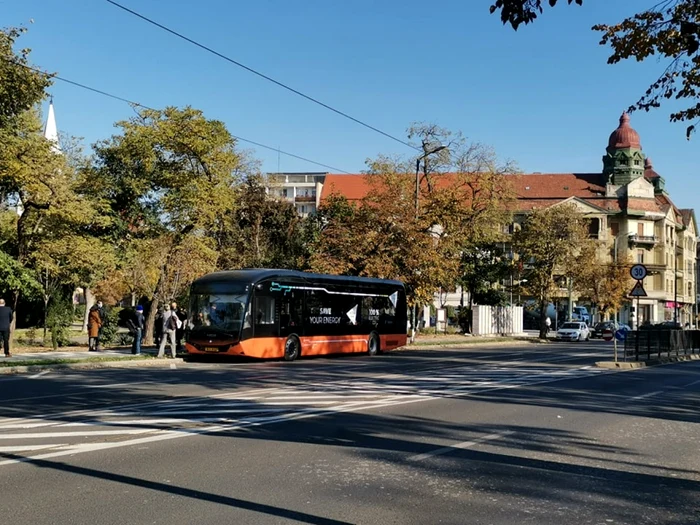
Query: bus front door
point(291, 317)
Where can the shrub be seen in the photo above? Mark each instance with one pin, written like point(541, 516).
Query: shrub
point(59, 317)
point(31, 335)
point(108, 334)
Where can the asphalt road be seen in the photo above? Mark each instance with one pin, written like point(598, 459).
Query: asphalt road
point(500, 435)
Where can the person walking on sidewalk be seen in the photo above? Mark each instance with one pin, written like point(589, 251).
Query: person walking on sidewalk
point(170, 320)
point(5, 323)
point(94, 328)
point(548, 324)
point(138, 330)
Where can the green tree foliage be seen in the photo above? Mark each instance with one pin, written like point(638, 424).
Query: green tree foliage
point(668, 30)
point(59, 318)
point(20, 87)
point(552, 242)
point(482, 267)
point(169, 176)
point(262, 232)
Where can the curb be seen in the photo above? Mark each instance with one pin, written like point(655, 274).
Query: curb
point(23, 369)
point(651, 362)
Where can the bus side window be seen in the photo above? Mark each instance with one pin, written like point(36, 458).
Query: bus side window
point(264, 316)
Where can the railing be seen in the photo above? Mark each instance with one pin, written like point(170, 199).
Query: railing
point(305, 198)
point(643, 239)
point(645, 345)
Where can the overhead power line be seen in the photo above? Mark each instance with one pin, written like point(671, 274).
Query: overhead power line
point(138, 104)
point(261, 75)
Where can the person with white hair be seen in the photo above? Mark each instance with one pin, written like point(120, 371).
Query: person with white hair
point(5, 324)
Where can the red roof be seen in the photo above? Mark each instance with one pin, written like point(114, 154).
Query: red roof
point(532, 191)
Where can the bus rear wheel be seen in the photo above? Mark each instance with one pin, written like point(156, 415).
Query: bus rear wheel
point(373, 344)
point(292, 348)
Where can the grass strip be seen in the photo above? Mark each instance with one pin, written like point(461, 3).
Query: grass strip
point(68, 360)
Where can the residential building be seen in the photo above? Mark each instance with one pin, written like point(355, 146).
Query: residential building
point(630, 212)
point(301, 189)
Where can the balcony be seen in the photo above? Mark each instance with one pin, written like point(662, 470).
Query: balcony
point(305, 198)
point(643, 239)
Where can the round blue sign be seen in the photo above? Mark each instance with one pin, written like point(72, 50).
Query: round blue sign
point(621, 334)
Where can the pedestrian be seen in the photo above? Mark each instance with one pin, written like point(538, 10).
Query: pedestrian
point(5, 324)
point(138, 324)
point(94, 328)
point(170, 320)
point(548, 324)
point(180, 331)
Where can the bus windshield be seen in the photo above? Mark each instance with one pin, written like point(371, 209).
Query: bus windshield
point(223, 312)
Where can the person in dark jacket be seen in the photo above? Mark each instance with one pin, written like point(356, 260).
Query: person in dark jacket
point(5, 323)
point(139, 323)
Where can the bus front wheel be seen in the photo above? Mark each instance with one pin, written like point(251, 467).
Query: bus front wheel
point(373, 344)
point(292, 348)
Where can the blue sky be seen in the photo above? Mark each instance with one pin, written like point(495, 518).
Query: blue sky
point(543, 96)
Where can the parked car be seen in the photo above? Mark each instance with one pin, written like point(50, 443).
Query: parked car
point(574, 331)
point(597, 332)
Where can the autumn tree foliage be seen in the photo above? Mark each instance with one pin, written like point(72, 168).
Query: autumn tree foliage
point(462, 201)
point(552, 242)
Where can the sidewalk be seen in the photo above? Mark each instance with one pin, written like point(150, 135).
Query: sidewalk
point(80, 358)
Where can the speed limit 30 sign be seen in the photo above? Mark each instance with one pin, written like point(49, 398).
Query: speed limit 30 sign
point(638, 272)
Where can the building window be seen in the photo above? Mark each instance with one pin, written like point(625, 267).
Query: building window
point(594, 228)
point(636, 162)
point(614, 228)
point(640, 256)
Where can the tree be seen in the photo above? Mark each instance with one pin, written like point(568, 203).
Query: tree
point(21, 88)
point(262, 232)
point(169, 176)
point(669, 30)
point(550, 244)
point(607, 286)
point(483, 265)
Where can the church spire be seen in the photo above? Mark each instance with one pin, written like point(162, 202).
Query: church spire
point(51, 130)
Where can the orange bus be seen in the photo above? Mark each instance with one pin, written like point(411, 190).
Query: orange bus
point(287, 314)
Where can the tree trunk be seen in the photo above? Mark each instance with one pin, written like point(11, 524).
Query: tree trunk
point(155, 303)
point(89, 301)
point(46, 314)
point(15, 300)
point(543, 320)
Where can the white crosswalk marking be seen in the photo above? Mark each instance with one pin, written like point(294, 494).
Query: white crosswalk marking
point(152, 421)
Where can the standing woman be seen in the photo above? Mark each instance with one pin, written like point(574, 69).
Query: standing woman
point(94, 327)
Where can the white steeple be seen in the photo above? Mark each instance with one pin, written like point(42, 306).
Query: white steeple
point(50, 129)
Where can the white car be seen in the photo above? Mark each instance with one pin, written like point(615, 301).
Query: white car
point(573, 332)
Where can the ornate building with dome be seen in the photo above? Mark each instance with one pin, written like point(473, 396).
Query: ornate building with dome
point(629, 211)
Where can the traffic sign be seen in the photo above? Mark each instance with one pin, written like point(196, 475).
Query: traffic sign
point(638, 290)
point(607, 334)
point(621, 334)
point(638, 271)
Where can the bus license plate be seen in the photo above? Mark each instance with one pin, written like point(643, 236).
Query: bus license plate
point(211, 349)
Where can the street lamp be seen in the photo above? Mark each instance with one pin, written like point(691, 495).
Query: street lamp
point(426, 154)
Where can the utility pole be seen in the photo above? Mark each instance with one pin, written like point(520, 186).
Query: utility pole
point(571, 306)
point(423, 157)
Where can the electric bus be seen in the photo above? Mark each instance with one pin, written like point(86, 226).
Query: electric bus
point(287, 314)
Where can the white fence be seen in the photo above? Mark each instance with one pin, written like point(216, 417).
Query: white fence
point(488, 320)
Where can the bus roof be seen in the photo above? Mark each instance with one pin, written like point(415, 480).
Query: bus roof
point(254, 275)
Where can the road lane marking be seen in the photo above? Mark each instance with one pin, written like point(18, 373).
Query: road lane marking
point(691, 384)
point(635, 398)
point(36, 376)
point(459, 446)
point(79, 433)
point(29, 448)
